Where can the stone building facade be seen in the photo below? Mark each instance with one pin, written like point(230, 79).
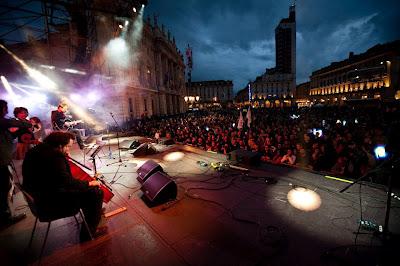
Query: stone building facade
point(151, 83)
point(276, 87)
point(209, 93)
point(372, 75)
point(302, 94)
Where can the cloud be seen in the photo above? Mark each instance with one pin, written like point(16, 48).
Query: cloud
point(329, 43)
point(351, 35)
point(236, 39)
point(232, 62)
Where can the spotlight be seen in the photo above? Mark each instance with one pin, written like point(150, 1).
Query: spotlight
point(120, 26)
point(134, 9)
point(304, 199)
point(380, 152)
point(92, 96)
point(74, 97)
point(126, 23)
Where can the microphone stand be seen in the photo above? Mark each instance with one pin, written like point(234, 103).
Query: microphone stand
point(119, 149)
point(109, 145)
point(389, 165)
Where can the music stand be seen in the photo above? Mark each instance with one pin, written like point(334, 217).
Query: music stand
point(93, 157)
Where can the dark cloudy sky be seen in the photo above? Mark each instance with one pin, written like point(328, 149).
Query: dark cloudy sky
point(235, 40)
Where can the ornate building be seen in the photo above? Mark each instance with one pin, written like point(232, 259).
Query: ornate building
point(367, 76)
point(276, 87)
point(209, 93)
point(302, 94)
point(148, 80)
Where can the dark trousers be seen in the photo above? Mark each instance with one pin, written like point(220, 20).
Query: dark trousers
point(5, 186)
point(78, 136)
point(89, 200)
point(91, 203)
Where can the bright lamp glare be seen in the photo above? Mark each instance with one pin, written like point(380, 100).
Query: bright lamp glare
point(134, 9)
point(39, 98)
point(304, 199)
point(174, 156)
point(92, 96)
point(380, 152)
point(74, 97)
point(117, 52)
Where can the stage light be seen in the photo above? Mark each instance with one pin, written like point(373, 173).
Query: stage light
point(43, 80)
point(74, 97)
point(74, 71)
point(120, 26)
point(8, 88)
point(134, 9)
point(38, 97)
point(92, 96)
point(304, 199)
point(126, 23)
point(174, 156)
point(117, 52)
point(48, 67)
point(380, 152)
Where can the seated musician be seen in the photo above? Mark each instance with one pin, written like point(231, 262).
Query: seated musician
point(60, 123)
point(47, 177)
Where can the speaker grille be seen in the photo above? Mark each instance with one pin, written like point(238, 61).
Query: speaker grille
point(147, 169)
point(159, 187)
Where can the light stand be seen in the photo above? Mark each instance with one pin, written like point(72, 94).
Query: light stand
point(119, 149)
point(393, 163)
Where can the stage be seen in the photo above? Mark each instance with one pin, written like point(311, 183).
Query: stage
point(221, 216)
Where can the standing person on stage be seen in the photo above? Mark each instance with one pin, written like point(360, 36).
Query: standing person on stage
point(60, 123)
point(37, 129)
point(47, 177)
point(24, 135)
point(6, 138)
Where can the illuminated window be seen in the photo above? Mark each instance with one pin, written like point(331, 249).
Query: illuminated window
point(397, 95)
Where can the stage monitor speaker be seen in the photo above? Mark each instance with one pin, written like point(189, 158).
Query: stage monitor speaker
point(147, 169)
point(129, 144)
point(245, 157)
point(159, 188)
point(143, 149)
point(166, 141)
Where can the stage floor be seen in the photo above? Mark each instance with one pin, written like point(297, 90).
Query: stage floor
point(229, 217)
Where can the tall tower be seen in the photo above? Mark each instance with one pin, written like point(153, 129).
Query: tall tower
point(285, 42)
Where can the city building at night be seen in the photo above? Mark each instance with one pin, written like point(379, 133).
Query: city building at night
point(372, 75)
point(209, 93)
point(302, 94)
point(276, 87)
point(133, 62)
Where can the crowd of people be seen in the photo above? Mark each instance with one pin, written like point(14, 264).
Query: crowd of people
point(339, 140)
